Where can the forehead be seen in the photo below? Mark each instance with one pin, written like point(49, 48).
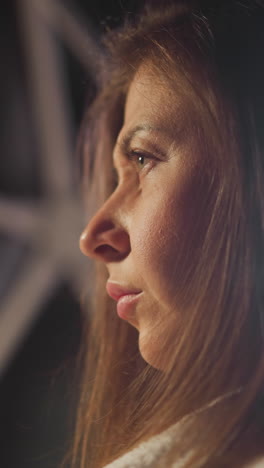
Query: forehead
point(154, 99)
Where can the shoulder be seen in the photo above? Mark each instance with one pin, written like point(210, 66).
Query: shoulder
point(149, 454)
point(146, 455)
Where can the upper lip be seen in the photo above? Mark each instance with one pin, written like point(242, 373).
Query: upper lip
point(116, 290)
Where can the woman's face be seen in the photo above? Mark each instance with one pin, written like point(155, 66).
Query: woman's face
point(149, 231)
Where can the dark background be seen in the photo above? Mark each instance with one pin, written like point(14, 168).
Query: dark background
point(37, 391)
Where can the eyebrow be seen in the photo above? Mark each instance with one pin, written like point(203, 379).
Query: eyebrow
point(125, 140)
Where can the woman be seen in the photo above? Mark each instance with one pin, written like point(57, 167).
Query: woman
point(173, 150)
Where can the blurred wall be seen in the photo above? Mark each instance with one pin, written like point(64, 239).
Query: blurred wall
point(37, 389)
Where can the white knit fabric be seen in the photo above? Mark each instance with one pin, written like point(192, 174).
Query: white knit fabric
point(149, 453)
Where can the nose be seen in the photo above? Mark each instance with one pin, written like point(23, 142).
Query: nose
point(105, 238)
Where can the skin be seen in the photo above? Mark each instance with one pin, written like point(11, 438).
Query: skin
point(149, 231)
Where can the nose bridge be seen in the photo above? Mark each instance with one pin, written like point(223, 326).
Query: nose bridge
point(105, 236)
point(112, 210)
point(105, 218)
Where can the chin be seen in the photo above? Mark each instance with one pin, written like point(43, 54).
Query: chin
point(151, 350)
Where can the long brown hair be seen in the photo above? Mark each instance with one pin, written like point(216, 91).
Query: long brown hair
point(214, 48)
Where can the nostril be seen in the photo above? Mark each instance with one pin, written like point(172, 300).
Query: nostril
point(107, 253)
point(105, 249)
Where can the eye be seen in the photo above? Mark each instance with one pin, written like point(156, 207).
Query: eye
point(142, 161)
point(139, 158)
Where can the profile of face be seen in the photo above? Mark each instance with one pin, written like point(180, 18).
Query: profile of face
point(149, 231)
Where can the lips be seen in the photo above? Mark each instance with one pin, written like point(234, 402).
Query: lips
point(117, 291)
point(126, 298)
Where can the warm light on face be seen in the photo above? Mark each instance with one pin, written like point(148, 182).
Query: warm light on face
point(149, 231)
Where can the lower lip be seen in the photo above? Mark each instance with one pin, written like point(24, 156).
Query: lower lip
point(126, 305)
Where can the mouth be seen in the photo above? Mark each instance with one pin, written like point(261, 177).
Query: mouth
point(126, 298)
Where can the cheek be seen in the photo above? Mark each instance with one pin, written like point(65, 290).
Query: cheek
point(167, 240)
point(155, 243)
